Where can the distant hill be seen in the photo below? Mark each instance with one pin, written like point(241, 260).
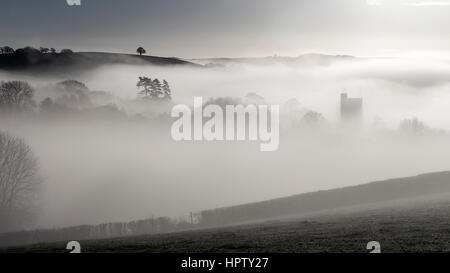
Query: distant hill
point(305, 59)
point(376, 192)
point(54, 62)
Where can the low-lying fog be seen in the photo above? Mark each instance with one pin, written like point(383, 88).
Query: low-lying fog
point(100, 171)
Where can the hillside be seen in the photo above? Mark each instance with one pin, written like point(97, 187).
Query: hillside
point(375, 192)
point(419, 226)
point(363, 197)
point(54, 62)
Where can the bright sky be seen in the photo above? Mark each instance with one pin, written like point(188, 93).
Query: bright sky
point(230, 28)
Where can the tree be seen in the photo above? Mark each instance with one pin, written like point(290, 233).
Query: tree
point(70, 85)
point(74, 94)
point(46, 105)
point(16, 95)
point(157, 89)
point(29, 50)
point(166, 89)
point(147, 85)
point(53, 50)
point(313, 119)
point(141, 51)
point(44, 50)
point(66, 51)
point(413, 126)
point(19, 181)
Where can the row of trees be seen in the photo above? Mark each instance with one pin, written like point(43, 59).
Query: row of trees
point(6, 50)
point(45, 50)
point(18, 96)
point(154, 89)
point(29, 49)
point(89, 232)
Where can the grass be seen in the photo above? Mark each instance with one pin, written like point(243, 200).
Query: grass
point(422, 226)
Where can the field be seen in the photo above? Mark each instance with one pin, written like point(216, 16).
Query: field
point(408, 226)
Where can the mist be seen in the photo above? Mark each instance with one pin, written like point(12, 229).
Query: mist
point(100, 170)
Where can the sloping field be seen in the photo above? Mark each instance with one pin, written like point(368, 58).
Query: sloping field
point(421, 225)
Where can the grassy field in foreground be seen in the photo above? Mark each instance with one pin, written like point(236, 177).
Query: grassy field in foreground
point(421, 227)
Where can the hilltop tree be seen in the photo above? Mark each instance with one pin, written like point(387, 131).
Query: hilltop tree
point(66, 51)
point(44, 50)
point(53, 50)
point(16, 95)
point(19, 180)
point(6, 50)
point(28, 51)
point(141, 51)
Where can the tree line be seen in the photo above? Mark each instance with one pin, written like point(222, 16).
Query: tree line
point(92, 232)
point(31, 50)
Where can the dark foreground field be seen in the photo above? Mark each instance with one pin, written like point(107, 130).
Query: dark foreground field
point(408, 226)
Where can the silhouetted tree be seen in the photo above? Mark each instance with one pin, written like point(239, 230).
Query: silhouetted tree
point(19, 180)
point(141, 50)
point(16, 95)
point(66, 51)
point(29, 50)
point(52, 50)
point(6, 50)
point(44, 50)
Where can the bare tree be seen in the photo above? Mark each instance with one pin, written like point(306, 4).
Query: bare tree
point(19, 181)
point(16, 95)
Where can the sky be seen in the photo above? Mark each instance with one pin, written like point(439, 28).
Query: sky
point(230, 28)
